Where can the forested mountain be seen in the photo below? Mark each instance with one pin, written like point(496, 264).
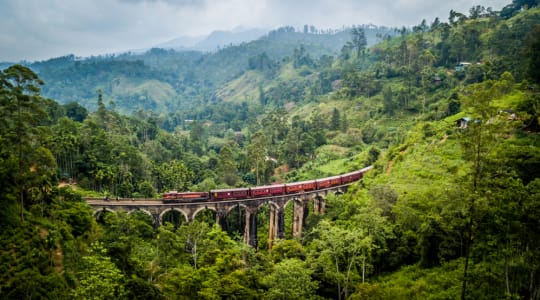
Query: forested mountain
point(162, 80)
point(447, 112)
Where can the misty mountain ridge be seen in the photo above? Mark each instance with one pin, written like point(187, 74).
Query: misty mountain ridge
point(163, 79)
point(224, 38)
point(213, 41)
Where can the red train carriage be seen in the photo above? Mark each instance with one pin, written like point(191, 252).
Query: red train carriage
point(327, 182)
point(176, 197)
point(297, 187)
point(366, 169)
point(351, 177)
point(229, 194)
point(170, 195)
point(267, 191)
point(354, 176)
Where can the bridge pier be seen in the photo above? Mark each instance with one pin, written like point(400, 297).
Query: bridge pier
point(246, 227)
point(281, 223)
point(319, 205)
point(272, 228)
point(322, 206)
point(221, 219)
point(298, 218)
point(156, 220)
point(276, 228)
point(306, 211)
point(253, 241)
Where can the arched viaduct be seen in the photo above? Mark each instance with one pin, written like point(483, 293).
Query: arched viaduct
point(156, 209)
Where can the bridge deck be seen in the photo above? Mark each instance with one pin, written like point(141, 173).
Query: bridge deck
point(93, 201)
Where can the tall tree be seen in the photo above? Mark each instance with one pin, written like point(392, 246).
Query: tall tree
point(174, 175)
point(335, 121)
point(388, 103)
point(64, 145)
point(75, 111)
point(197, 136)
point(258, 153)
point(532, 51)
point(338, 251)
point(21, 134)
point(298, 146)
point(478, 143)
point(227, 166)
point(359, 41)
point(194, 237)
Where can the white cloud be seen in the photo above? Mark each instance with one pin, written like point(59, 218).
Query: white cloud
point(40, 29)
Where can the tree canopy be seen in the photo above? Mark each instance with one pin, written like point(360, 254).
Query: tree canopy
point(446, 112)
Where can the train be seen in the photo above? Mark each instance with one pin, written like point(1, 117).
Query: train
point(264, 191)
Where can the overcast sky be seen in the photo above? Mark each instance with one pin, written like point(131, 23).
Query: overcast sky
point(41, 29)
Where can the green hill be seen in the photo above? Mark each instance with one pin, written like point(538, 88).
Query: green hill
point(447, 113)
point(194, 76)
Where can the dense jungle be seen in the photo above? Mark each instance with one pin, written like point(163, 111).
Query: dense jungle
point(447, 112)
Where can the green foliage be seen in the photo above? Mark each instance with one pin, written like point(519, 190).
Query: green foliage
point(344, 253)
point(28, 264)
point(257, 153)
point(202, 262)
point(532, 49)
point(288, 249)
point(136, 288)
point(290, 279)
point(75, 111)
point(173, 176)
point(77, 216)
point(227, 166)
point(25, 162)
point(100, 279)
point(446, 211)
point(413, 282)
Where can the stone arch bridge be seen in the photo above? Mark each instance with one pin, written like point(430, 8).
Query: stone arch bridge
point(157, 209)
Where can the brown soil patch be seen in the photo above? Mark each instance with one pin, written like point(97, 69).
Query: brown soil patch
point(443, 139)
point(389, 167)
point(278, 173)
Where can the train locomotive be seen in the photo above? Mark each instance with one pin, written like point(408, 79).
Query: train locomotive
point(264, 191)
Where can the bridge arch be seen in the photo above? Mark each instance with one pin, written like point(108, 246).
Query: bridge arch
point(198, 210)
point(186, 218)
point(334, 191)
point(342, 189)
point(141, 210)
point(269, 203)
point(98, 212)
point(293, 200)
point(230, 208)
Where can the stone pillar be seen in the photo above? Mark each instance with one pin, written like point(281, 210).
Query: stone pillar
point(250, 229)
point(322, 206)
point(253, 242)
point(272, 227)
point(246, 227)
point(306, 210)
point(298, 218)
point(156, 221)
point(221, 219)
point(281, 223)
point(319, 205)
